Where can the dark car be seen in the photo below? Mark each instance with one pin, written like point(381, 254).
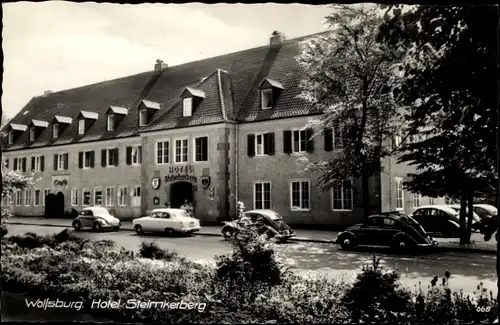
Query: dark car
point(261, 222)
point(392, 229)
point(97, 218)
point(489, 219)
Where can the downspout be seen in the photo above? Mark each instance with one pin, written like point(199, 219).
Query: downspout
point(237, 171)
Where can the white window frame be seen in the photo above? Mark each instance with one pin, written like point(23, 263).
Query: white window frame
point(300, 140)
point(85, 159)
point(32, 133)
point(19, 196)
point(74, 195)
point(26, 197)
point(38, 163)
point(163, 162)
point(339, 147)
point(262, 198)
point(125, 194)
point(45, 193)
point(19, 167)
point(194, 148)
point(55, 130)
point(342, 197)
point(187, 107)
point(417, 200)
point(182, 147)
point(132, 156)
point(11, 137)
point(109, 163)
point(261, 136)
point(301, 194)
point(143, 117)
point(110, 122)
point(400, 190)
point(397, 140)
point(98, 189)
point(81, 126)
point(60, 161)
point(135, 200)
point(39, 197)
point(110, 197)
point(86, 190)
point(263, 93)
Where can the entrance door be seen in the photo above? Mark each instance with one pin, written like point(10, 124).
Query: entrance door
point(179, 192)
point(59, 206)
point(50, 206)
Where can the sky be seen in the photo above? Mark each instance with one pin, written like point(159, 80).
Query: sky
point(62, 45)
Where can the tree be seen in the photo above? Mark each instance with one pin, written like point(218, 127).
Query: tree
point(348, 74)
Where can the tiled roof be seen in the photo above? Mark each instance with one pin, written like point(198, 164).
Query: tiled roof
point(230, 85)
point(63, 119)
point(118, 110)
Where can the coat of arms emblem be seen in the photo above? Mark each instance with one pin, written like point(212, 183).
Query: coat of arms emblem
point(155, 183)
point(205, 181)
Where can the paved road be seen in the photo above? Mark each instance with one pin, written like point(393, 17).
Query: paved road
point(325, 259)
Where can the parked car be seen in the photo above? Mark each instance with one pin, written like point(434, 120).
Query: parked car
point(485, 210)
point(392, 229)
point(476, 220)
point(168, 221)
point(97, 218)
point(489, 219)
point(261, 222)
point(439, 220)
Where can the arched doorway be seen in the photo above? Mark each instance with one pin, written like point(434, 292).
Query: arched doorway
point(50, 205)
point(59, 206)
point(179, 192)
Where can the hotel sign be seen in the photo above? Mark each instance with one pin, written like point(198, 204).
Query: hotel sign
point(181, 173)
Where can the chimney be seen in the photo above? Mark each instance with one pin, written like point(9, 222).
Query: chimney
point(160, 65)
point(47, 92)
point(277, 38)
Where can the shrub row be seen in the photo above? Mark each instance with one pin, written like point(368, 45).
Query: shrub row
point(249, 286)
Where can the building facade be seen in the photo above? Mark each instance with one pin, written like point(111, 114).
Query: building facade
point(212, 132)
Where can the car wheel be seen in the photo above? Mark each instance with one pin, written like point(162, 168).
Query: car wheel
point(347, 243)
point(138, 230)
point(77, 225)
point(402, 245)
point(116, 228)
point(169, 231)
point(96, 226)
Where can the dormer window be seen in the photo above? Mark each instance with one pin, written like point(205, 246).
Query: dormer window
point(269, 93)
point(32, 133)
point(81, 126)
point(187, 107)
point(11, 137)
point(55, 130)
point(147, 109)
point(85, 121)
point(15, 130)
point(59, 124)
point(36, 127)
point(111, 122)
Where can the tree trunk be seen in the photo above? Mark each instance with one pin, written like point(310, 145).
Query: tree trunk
point(498, 207)
point(470, 213)
point(365, 188)
point(463, 213)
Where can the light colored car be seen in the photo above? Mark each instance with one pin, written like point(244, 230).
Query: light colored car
point(168, 221)
point(441, 220)
point(485, 210)
point(96, 218)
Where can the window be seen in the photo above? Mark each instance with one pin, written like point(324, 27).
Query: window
point(264, 144)
point(19, 198)
point(397, 141)
point(18, 164)
point(87, 161)
point(266, 97)
point(60, 161)
point(201, 149)
point(143, 117)
point(300, 195)
point(37, 163)
point(342, 196)
point(135, 153)
point(86, 197)
point(181, 151)
point(11, 137)
point(417, 199)
point(110, 157)
point(81, 126)
point(37, 197)
point(187, 107)
point(27, 197)
point(432, 201)
point(55, 131)
point(135, 196)
point(162, 152)
point(122, 196)
point(45, 193)
point(338, 140)
point(111, 122)
point(97, 196)
point(299, 140)
point(399, 194)
point(110, 195)
point(262, 195)
point(74, 197)
point(32, 133)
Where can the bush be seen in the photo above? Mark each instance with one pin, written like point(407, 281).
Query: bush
point(4, 230)
point(151, 250)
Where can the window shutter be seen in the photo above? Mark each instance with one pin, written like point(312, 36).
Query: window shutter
point(42, 163)
point(103, 158)
point(32, 163)
point(287, 141)
point(310, 141)
point(55, 162)
point(15, 163)
point(140, 154)
point(92, 159)
point(24, 165)
point(328, 139)
point(129, 155)
point(115, 152)
point(66, 161)
point(251, 145)
point(204, 149)
point(80, 160)
point(7, 163)
point(270, 139)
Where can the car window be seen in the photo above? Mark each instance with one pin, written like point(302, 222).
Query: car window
point(481, 212)
point(388, 222)
point(419, 212)
point(165, 215)
point(155, 215)
point(86, 213)
point(183, 214)
point(372, 222)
